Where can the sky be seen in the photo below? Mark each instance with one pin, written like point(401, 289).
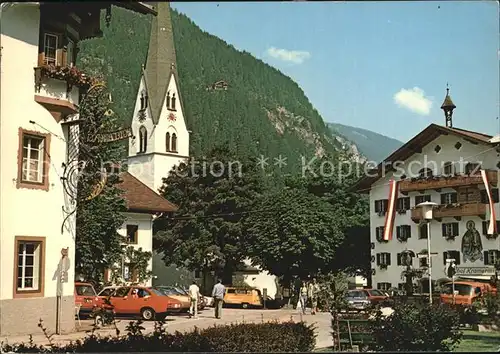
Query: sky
point(381, 66)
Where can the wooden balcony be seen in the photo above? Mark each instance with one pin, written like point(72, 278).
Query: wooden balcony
point(438, 182)
point(453, 210)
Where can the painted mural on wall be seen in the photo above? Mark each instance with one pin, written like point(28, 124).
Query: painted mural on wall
point(472, 247)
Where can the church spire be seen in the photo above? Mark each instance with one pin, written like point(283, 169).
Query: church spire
point(161, 58)
point(448, 106)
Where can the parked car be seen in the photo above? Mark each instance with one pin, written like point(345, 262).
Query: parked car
point(357, 300)
point(466, 292)
point(244, 297)
point(176, 294)
point(149, 303)
point(85, 297)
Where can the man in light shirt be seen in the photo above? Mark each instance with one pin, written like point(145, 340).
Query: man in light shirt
point(194, 294)
point(218, 295)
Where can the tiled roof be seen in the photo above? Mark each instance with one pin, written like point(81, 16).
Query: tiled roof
point(415, 145)
point(142, 199)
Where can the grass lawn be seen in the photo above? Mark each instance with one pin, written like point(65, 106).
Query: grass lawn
point(479, 342)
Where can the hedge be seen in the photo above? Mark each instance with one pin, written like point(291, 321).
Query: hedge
point(245, 337)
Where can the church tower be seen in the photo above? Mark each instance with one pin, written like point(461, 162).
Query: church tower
point(158, 124)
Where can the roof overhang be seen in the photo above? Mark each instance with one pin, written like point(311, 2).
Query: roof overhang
point(412, 147)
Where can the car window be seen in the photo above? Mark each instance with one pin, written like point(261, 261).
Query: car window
point(462, 289)
point(356, 293)
point(375, 292)
point(85, 290)
point(106, 291)
point(158, 291)
point(121, 292)
point(143, 293)
point(477, 290)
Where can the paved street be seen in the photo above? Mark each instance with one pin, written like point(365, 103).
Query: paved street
point(206, 319)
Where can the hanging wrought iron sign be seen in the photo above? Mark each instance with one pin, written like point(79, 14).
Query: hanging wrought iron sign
point(85, 175)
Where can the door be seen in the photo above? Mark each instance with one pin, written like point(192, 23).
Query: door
point(119, 300)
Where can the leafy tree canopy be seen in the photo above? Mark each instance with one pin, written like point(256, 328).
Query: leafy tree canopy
point(213, 194)
point(297, 237)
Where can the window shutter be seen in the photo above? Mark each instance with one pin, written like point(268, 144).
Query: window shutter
point(454, 198)
point(388, 258)
point(486, 258)
point(443, 229)
point(398, 231)
point(398, 257)
point(386, 204)
point(443, 198)
point(445, 256)
point(378, 259)
point(485, 227)
point(377, 206)
point(378, 286)
point(456, 255)
point(408, 231)
point(455, 229)
point(494, 194)
point(484, 196)
point(373, 259)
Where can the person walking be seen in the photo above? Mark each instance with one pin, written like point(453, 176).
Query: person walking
point(312, 293)
point(303, 297)
point(218, 294)
point(194, 295)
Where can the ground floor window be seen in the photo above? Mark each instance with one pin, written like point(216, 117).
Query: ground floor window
point(29, 266)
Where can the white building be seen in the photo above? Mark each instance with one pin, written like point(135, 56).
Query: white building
point(38, 39)
point(440, 164)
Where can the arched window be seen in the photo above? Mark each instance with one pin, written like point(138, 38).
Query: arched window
point(167, 142)
point(425, 172)
point(142, 101)
point(174, 143)
point(173, 102)
point(143, 139)
point(168, 99)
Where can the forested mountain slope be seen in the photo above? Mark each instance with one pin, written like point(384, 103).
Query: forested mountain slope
point(262, 111)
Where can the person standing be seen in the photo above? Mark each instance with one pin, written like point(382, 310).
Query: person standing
point(218, 294)
point(194, 294)
point(303, 297)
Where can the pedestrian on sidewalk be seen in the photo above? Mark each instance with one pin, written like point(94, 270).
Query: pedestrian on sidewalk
point(218, 294)
point(194, 295)
point(303, 297)
point(312, 293)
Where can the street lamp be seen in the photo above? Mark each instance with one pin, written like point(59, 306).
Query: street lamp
point(427, 209)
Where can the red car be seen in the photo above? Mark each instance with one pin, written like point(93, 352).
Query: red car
point(149, 303)
point(85, 297)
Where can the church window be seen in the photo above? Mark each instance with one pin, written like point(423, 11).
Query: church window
point(168, 100)
point(143, 139)
point(144, 100)
point(167, 142)
point(174, 143)
point(173, 102)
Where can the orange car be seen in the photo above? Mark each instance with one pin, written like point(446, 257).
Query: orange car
point(149, 303)
point(466, 292)
point(85, 297)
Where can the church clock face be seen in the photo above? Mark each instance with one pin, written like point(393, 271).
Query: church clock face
point(171, 117)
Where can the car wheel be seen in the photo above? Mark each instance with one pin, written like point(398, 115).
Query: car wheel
point(245, 306)
point(147, 313)
point(98, 321)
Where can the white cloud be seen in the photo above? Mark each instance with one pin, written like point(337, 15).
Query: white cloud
point(414, 100)
point(293, 56)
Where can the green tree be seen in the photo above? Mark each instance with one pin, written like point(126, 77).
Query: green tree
point(98, 245)
point(213, 194)
point(296, 236)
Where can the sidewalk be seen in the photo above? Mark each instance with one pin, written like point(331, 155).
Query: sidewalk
point(184, 324)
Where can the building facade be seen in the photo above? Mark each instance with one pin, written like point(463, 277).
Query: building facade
point(37, 241)
point(454, 168)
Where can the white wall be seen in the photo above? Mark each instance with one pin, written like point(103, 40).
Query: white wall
point(144, 234)
point(26, 212)
point(380, 190)
point(261, 281)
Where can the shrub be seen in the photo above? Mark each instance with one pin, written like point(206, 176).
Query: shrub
point(249, 337)
point(417, 328)
point(467, 315)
